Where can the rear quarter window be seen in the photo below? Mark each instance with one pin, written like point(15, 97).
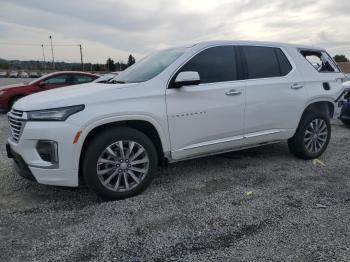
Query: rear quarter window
point(320, 60)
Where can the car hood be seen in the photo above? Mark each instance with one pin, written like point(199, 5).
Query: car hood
point(71, 95)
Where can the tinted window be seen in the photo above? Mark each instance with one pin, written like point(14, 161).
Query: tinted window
point(285, 66)
point(215, 64)
point(57, 80)
point(261, 62)
point(80, 79)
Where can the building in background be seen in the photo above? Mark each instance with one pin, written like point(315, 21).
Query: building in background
point(344, 67)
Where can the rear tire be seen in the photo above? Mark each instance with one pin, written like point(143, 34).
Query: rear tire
point(312, 136)
point(119, 163)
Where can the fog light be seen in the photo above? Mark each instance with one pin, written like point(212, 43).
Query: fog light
point(48, 150)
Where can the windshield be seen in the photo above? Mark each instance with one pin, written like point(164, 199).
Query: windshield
point(149, 67)
point(37, 79)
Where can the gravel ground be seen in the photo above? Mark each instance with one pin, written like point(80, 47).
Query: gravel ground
point(197, 210)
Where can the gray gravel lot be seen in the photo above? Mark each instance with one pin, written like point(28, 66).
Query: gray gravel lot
point(194, 211)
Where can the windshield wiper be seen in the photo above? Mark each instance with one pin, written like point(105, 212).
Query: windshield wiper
point(116, 82)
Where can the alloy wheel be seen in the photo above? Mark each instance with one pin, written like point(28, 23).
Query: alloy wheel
point(123, 165)
point(316, 135)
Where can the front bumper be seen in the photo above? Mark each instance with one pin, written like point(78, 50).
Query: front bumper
point(345, 112)
point(342, 106)
point(28, 162)
point(20, 166)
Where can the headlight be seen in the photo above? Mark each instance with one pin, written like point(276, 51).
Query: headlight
point(2, 92)
point(54, 114)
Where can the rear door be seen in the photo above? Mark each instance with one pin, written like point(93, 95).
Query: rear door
point(208, 117)
point(275, 94)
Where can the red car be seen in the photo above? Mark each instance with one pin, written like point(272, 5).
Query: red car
point(10, 94)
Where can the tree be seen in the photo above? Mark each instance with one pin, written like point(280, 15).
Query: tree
point(341, 58)
point(110, 65)
point(131, 60)
point(96, 67)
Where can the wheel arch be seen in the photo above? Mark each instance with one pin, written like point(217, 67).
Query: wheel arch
point(325, 106)
point(296, 144)
point(150, 129)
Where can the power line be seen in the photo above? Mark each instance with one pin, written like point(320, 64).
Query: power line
point(17, 44)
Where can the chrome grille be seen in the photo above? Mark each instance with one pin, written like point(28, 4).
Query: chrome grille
point(17, 121)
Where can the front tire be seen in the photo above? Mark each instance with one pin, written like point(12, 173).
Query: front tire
point(119, 163)
point(312, 136)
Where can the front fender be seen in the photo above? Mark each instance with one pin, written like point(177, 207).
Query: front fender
point(87, 128)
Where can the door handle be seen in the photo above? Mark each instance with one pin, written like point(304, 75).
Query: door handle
point(296, 86)
point(233, 92)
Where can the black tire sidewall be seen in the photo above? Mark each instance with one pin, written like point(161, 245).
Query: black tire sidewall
point(99, 143)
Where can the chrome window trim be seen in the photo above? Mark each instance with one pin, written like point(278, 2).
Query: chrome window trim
point(290, 60)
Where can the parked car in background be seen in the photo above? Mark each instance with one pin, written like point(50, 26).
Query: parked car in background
point(13, 74)
point(177, 104)
point(23, 74)
point(10, 94)
point(42, 74)
point(347, 77)
point(345, 112)
point(3, 74)
point(106, 77)
point(34, 75)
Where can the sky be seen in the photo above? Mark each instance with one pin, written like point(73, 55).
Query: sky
point(116, 28)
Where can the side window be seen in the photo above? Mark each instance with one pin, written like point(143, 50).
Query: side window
point(57, 80)
point(215, 64)
point(320, 60)
point(265, 62)
point(285, 66)
point(81, 79)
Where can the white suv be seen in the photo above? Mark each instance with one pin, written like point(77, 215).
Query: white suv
point(176, 104)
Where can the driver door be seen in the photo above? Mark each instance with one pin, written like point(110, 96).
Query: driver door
point(208, 117)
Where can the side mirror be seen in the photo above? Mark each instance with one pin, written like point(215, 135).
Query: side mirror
point(187, 78)
point(41, 84)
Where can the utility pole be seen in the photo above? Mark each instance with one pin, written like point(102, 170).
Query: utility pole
point(42, 46)
point(81, 57)
point(53, 59)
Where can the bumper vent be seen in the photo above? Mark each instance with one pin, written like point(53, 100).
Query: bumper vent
point(17, 121)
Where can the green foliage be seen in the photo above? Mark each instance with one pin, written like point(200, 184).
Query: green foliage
point(110, 65)
point(341, 58)
point(4, 66)
point(131, 60)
